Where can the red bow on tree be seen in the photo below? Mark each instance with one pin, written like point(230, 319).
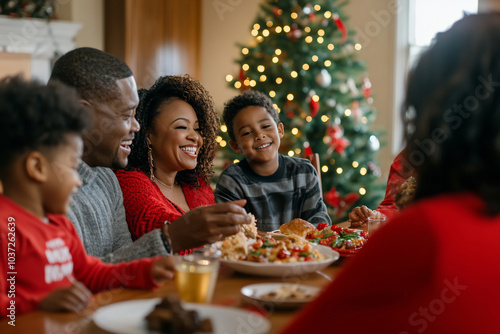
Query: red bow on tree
point(241, 78)
point(336, 140)
point(313, 108)
point(340, 203)
point(367, 85)
point(340, 26)
point(277, 11)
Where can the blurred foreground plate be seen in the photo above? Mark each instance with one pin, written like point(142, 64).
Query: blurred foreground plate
point(129, 317)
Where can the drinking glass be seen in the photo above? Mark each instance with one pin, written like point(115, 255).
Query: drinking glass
point(196, 275)
point(374, 223)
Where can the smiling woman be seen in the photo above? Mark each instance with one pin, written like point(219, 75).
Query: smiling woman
point(172, 155)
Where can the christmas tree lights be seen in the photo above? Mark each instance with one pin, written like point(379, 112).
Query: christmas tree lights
point(304, 56)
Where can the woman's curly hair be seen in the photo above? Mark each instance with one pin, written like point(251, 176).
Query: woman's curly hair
point(191, 91)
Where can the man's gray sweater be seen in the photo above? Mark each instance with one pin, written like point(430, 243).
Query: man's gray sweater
point(98, 214)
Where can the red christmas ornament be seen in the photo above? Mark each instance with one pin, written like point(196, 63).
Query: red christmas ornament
point(332, 198)
point(341, 203)
point(313, 108)
point(340, 26)
point(295, 33)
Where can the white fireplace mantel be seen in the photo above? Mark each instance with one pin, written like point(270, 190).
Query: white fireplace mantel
point(43, 40)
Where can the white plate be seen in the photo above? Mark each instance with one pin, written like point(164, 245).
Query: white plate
point(129, 317)
point(285, 269)
point(252, 293)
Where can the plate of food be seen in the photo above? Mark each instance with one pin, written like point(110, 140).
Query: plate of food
point(266, 256)
point(144, 316)
point(346, 241)
point(280, 295)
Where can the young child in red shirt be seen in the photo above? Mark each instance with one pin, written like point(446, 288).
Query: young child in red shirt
point(43, 264)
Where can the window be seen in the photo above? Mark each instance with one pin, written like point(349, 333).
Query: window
point(417, 24)
point(428, 17)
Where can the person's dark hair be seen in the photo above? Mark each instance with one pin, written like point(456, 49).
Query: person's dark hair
point(93, 73)
point(452, 112)
point(247, 99)
point(191, 91)
point(34, 116)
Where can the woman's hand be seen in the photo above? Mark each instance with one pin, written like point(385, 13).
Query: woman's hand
point(207, 224)
point(359, 215)
point(72, 299)
point(163, 269)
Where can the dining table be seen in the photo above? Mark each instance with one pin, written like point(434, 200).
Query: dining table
point(227, 293)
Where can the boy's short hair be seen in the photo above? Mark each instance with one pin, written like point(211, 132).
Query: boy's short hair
point(93, 73)
point(247, 99)
point(33, 115)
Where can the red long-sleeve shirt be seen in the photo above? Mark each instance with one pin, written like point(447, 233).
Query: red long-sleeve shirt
point(147, 208)
point(433, 268)
point(398, 174)
point(37, 257)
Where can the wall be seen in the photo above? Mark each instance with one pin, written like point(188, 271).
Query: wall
point(375, 23)
point(88, 12)
point(489, 5)
point(220, 33)
point(15, 63)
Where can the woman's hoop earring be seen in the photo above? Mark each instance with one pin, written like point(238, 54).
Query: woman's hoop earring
point(151, 165)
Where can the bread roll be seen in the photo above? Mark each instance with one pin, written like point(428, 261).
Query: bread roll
point(298, 227)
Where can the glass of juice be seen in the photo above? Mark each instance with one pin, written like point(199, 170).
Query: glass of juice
point(196, 275)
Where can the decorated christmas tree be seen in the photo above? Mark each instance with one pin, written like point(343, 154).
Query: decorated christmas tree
point(303, 55)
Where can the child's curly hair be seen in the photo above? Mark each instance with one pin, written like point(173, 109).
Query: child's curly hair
point(35, 116)
point(191, 91)
point(247, 99)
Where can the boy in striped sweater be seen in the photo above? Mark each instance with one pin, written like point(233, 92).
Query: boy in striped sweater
point(277, 188)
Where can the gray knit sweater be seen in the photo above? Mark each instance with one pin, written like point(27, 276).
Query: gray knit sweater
point(99, 217)
point(293, 191)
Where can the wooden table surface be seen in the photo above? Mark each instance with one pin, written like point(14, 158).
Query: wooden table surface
point(227, 292)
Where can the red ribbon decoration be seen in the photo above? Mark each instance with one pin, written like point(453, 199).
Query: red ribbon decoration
point(367, 85)
point(340, 26)
point(313, 108)
point(242, 78)
point(308, 149)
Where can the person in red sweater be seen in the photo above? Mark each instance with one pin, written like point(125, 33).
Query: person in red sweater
point(433, 267)
point(172, 155)
point(400, 171)
point(43, 264)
